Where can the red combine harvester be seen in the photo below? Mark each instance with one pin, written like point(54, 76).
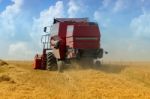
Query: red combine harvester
point(69, 38)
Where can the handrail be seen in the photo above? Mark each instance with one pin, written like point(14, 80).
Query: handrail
point(45, 39)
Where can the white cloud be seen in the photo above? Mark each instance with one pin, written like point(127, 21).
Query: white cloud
point(136, 47)
point(97, 15)
point(119, 5)
point(115, 6)
point(106, 3)
point(141, 25)
point(8, 16)
point(103, 20)
point(20, 50)
point(73, 9)
point(46, 19)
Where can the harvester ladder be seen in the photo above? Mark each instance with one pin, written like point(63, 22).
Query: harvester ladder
point(46, 41)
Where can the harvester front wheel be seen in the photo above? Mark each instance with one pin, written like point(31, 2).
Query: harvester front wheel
point(51, 61)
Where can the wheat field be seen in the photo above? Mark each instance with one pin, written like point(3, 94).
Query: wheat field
point(123, 80)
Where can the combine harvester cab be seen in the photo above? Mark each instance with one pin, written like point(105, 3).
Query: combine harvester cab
point(69, 38)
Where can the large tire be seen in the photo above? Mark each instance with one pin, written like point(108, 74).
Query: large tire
point(51, 61)
point(60, 65)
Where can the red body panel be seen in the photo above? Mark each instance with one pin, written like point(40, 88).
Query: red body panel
point(72, 42)
point(40, 61)
point(84, 37)
point(78, 35)
point(86, 31)
point(37, 62)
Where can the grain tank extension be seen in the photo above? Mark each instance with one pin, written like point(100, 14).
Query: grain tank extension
point(69, 39)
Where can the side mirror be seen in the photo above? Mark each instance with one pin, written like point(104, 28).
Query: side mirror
point(106, 52)
point(45, 29)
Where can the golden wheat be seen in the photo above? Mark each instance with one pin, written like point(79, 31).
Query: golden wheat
point(117, 81)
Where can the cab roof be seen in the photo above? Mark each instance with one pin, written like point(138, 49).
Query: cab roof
point(70, 20)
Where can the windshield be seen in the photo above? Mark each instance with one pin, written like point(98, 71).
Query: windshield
point(54, 29)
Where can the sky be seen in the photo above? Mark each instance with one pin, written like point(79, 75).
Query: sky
point(124, 26)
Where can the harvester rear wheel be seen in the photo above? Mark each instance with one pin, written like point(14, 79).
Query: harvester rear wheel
point(97, 63)
point(51, 61)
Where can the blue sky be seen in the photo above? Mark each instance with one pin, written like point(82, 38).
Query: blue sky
point(124, 25)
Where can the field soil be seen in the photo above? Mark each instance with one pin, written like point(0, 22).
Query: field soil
point(120, 80)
